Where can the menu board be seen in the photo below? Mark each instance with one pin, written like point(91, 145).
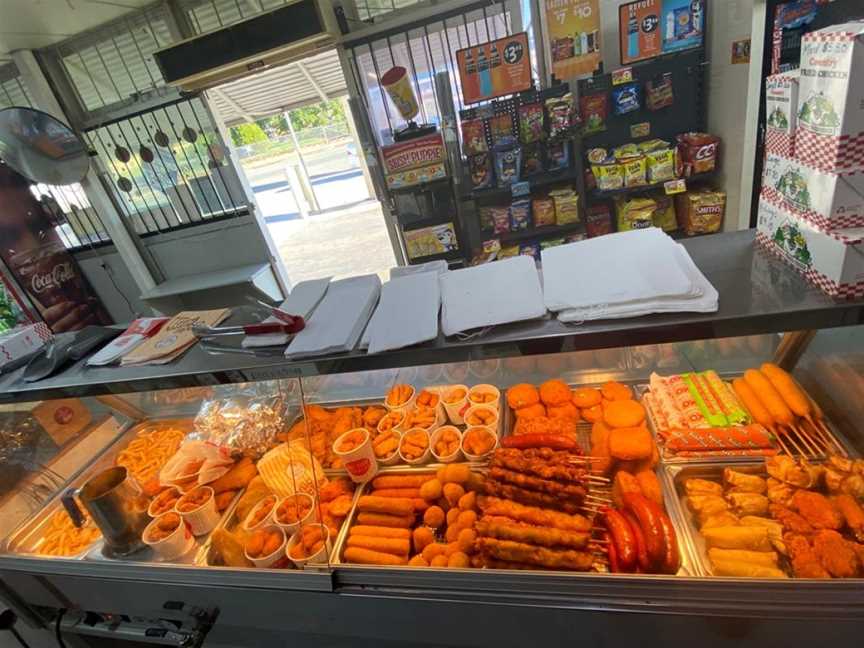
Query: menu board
point(494, 69)
point(649, 28)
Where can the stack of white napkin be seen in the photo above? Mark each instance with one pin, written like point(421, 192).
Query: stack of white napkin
point(624, 275)
point(490, 294)
point(407, 313)
point(339, 319)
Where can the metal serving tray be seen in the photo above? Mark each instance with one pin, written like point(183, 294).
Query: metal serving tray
point(674, 477)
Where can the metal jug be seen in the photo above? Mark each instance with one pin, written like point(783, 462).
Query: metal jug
point(118, 507)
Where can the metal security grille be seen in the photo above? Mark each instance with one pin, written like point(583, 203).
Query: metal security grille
point(169, 167)
point(207, 15)
point(115, 64)
point(12, 90)
point(369, 9)
point(424, 50)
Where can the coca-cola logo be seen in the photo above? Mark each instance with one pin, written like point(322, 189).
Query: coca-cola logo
point(60, 274)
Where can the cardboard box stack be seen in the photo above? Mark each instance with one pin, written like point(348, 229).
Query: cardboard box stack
point(811, 208)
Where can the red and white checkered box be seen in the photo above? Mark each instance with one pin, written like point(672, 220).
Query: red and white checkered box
point(779, 143)
point(22, 342)
point(830, 200)
point(832, 261)
point(829, 154)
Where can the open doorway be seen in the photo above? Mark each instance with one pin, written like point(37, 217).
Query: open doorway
point(292, 133)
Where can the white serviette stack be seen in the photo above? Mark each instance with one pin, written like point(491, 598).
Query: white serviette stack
point(337, 323)
point(624, 275)
point(407, 312)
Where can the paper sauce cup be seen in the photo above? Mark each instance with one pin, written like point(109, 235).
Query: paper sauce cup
point(405, 407)
point(291, 527)
point(422, 458)
point(204, 518)
point(456, 456)
point(488, 411)
point(317, 558)
point(475, 457)
point(270, 559)
point(456, 410)
point(485, 389)
point(360, 461)
point(172, 546)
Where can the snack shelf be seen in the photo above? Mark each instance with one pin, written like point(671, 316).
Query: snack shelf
point(542, 232)
point(610, 193)
point(537, 181)
point(752, 301)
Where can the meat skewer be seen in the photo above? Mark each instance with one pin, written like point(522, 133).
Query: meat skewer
point(803, 440)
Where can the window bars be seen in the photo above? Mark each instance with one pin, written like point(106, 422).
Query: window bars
point(424, 51)
point(169, 167)
point(12, 90)
point(207, 15)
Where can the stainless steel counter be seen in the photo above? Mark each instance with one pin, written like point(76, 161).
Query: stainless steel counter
point(758, 294)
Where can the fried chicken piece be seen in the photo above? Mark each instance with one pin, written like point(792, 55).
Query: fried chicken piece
point(805, 562)
point(532, 514)
point(790, 520)
point(778, 492)
point(513, 459)
point(495, 526)
point(836, 554)
point(853, 485)
point(786, 469)
point(530, 497)
point(817, 510)
point(574, 492)
point(525, 553)
point(852, 513)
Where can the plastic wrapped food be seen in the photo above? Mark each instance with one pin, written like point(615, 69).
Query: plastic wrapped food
point(608, 176)
point(532, 160)
point(635, 213)
point(543, 210)
point(501, 219)
point(480, 169)
point(474, 137)
point(561, 115)
point(660, 165)
point(659, 93)
point(700, 212)
point(595, 111)
point(598, 220)
point(566, 206)
point(698, 152)
point(558, 156)
point(247, 424)
point(626, 99)
point(508, 162)
point(531, 123)
point(501, 128)
point(635, 172)
point(520, 215)
point(664, 215)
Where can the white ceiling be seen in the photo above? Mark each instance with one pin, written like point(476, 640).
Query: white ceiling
point(30, 24)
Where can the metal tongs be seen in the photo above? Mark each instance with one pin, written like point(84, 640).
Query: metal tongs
point(287, 323)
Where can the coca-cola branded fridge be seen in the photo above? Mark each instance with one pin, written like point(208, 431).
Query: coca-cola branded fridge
point(35, 256)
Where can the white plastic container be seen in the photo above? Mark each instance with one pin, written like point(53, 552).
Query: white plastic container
point(318, 558)
point(455, 410)
point(270, 559)
point(360, 462)
point(205, 517)
point(422, 458)
point(474, 457)
point(404, 407)
point(436, 435)
point(291, 527)
point(267, 519)
point(178, 543)
point(492, 390)
point(491, 411)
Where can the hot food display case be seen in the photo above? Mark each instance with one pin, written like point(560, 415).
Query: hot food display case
point(701, 475)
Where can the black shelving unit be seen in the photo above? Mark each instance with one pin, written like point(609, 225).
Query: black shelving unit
point(629, 191)
point(538, 181)
point(544, 232)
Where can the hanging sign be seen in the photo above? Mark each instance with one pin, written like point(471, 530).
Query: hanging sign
point(649, 28)
point(494, 69)
point(414, 161)
point(574, 36)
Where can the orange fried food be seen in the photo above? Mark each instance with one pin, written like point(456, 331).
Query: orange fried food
point(164, 501)
point(481, 416)
point(817, 509)
point(805, 561)
point(455, 395)
point(399, 395)
point(414, 444)
point(593, 413)
point(164, 527)
point(478, 441)
point(623, 413)
point(372, 415)
point(421, 417)
point(555, 392)
point(522, 395)
point(531, 411)
point(650, 486)
point(352, 440)
point(334, 488)
point(262, 543)
point(566, 411)
point(836, 554)
point(427, 399)
point(544, 425)
point(385, 444)
point(293, 509)
point(194, 499)
point(615, 391)
point(629, 444)
point(447, 443)
point(585, 397)
point(391, 420)
point(480, 397)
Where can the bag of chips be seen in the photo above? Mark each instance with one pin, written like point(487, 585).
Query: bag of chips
point(531, 123)
point(700, 212)
point(520, 215)
point(634, 213)
point(480, 170)
point(626, 99)
point(658, 92)
point(595, 111)
point(566, 206)
point(474, 137)
point(544, 211)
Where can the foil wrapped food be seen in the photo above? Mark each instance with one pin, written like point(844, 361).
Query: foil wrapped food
point(242, 424)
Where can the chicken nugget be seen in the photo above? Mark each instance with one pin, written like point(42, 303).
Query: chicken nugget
point(628, 444)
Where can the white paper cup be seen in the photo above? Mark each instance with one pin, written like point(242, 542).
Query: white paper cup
point(404, 407)
point(319, 557)
point(422, 458)
point(473, 457)
point(485, 368)
point(267, 519)
point(151, 510)
point(204, 518)
point(271, 558)
point(392, 458)
point(485, 389)
point(398, 427)
point(455, 411)
point(360, 462)
point(177, 543)
point(456, 456)
point(291, 527)
point(492, 424)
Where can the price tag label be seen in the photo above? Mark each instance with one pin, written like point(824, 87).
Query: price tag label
point(642, 129)
point(520, 188)
point(675, 186)
point(623, 75)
